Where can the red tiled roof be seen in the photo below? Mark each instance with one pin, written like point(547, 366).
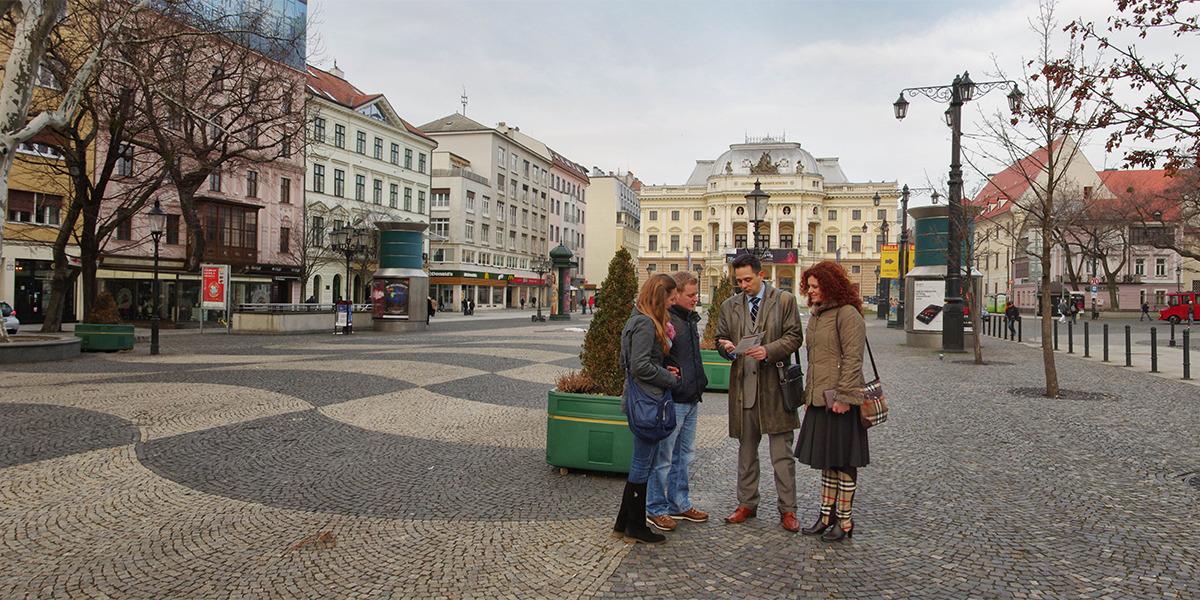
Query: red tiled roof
point(323, 83)
point(1141, 193)
point(1003, 188)
point(336, 89)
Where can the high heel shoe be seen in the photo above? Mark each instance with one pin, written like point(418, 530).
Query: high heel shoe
point(836, 534)
point(819, 527)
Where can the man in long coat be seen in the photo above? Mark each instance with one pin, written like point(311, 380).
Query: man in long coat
point(755, 398)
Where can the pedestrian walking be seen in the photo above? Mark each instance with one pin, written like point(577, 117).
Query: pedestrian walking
point(755, 395)
point(667, 494)
point(832, 438)
point(465, 306)
point(1191, 308)
point(471, 306)
point(432, 310)
point(1064, 308)
point(522, 302)
point(1011, 316)
point(1075, 308)
point(1145, 312)
point(645, 342)
point(592, 304)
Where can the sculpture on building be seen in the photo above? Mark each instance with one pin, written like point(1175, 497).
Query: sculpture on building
point(765, 166)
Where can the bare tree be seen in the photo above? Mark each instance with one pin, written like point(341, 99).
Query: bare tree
point(31, 22)
point(207, 103)
point(1168, 109)
point(1049, 119)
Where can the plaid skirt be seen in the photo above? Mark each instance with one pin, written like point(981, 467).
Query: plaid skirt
point(830, 441)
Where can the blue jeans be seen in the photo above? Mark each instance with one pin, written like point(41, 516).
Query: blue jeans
point(643, 452)
point(667, 492)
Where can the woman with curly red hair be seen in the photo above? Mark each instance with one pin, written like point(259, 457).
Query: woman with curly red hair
point(832, 439)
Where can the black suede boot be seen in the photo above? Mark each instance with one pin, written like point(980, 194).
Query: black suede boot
point(623, 514)
point(636, 529)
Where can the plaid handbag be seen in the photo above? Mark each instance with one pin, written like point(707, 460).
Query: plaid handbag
point(874, 409)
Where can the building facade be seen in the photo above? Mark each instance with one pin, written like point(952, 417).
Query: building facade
point(1106, 223)
point(366, 164)
point(814, 213)
point(615, 220)
point(489, 254)
point(568, 219)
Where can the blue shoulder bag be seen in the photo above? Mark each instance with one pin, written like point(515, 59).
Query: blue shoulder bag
point(650, 418)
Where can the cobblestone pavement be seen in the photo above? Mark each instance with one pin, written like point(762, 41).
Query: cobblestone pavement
point(412, 466)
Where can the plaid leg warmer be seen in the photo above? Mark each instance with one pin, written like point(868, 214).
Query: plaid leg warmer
point(846, 486)
point(829, 493)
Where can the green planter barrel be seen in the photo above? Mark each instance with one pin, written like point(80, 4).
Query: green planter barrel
point(104, 338)
point(585, 431)
point(716, 368)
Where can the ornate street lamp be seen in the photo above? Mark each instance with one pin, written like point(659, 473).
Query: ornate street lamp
point(349, 241)
point(756, 209)
point(541, 266)
point(960, 91)
point(158, 224)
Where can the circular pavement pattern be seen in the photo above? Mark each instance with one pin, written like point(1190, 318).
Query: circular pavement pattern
point(418, 462)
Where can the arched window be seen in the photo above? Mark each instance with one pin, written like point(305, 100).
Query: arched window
point(316, 288)
point(337, 288)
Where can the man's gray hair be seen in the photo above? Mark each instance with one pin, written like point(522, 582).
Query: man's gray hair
point(683, 278)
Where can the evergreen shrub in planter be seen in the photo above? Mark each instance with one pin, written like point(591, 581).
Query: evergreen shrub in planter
point(585, 428)
point(716, 368)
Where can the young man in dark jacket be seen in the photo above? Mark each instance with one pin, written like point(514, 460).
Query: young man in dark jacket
point(667, 493)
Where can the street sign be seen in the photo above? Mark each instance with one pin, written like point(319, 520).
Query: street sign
point(1095, 288)
point(1095, 281)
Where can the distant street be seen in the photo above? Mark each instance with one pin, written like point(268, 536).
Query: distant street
point(412, 466)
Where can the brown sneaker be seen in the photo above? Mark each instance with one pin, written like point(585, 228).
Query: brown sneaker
point(662, 522)
point(692, 515)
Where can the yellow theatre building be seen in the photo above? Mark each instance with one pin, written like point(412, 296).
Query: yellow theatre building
point(814, 213)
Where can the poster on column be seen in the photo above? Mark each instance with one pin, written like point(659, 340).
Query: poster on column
point(893, 302)
point(929, 298)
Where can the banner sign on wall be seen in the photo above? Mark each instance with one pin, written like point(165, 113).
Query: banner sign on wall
point(214, 287)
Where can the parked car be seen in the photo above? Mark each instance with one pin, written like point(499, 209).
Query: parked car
point(11, 323)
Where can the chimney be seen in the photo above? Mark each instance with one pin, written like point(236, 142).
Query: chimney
point(336, 72)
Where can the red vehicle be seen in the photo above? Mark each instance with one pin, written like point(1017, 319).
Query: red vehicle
point(1178, 306)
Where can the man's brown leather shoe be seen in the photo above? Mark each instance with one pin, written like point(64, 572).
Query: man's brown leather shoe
point(789, 522)
point(741, 514)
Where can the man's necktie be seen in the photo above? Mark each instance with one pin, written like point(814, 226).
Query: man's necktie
point(754, 309)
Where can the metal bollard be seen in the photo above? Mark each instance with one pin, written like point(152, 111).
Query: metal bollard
point(1020, 329)
point(1187, 361)
point(1105, 343)
point(1128, 349)
point(1006, 330)
point(1070, 338)
point(1153, 349)
point(1056, 334)
point(1086, 345)
point(1172, 343)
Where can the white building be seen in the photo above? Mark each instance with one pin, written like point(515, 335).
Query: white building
point(493, 237)
point(614, 220)
point(365, 164)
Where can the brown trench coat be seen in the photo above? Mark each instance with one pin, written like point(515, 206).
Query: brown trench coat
point(781, 337)
point(831, 367)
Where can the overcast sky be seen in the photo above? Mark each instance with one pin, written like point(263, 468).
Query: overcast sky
point(652, 86)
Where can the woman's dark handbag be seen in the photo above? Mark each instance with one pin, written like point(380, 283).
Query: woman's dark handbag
point(650, 418)
point(791, 382)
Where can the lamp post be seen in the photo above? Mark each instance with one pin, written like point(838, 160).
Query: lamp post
point(756, 209)
point(904, 195)
point(960, 91)
point(158, 223)
point(348, 241)
point(541, 266)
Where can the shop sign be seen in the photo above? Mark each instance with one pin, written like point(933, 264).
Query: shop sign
point(214, 287)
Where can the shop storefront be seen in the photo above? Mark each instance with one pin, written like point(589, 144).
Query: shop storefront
point(451, 286)
point(31, 291)
point(179, 293)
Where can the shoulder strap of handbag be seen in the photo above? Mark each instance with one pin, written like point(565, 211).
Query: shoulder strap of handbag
point(779, 330)
point(836, 317)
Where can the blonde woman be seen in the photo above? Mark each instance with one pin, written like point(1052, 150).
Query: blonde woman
point(645, 343)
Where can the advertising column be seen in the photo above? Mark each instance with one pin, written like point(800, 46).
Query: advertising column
point(214, 292)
